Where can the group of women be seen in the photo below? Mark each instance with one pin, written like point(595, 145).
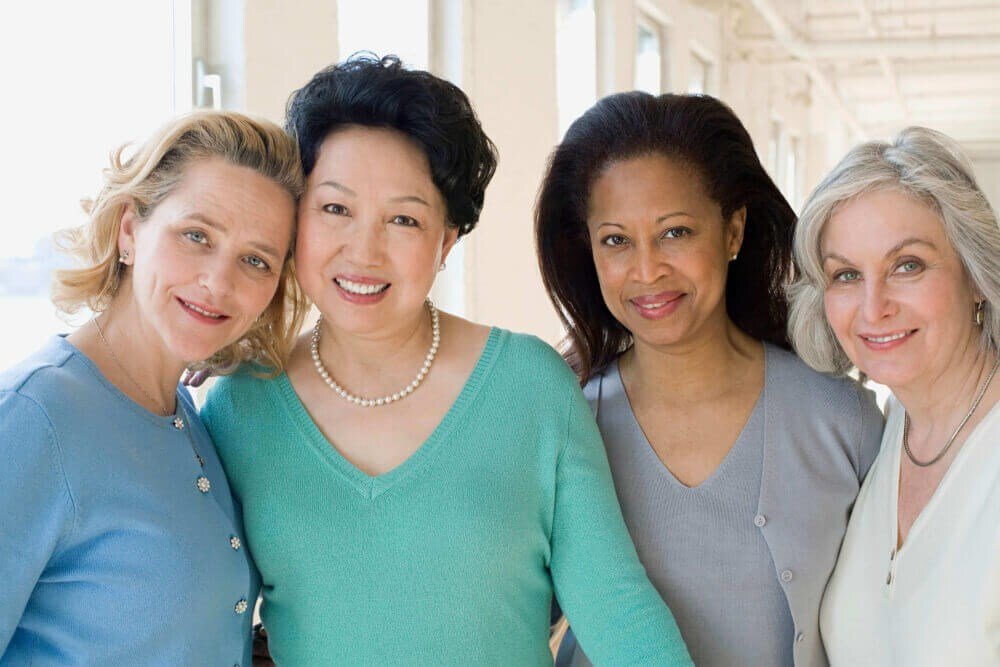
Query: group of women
point(405, 487)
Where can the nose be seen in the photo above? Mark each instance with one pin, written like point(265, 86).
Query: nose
point(366, 247)
point(878, 303)
point(218, 278)
point(650, 263)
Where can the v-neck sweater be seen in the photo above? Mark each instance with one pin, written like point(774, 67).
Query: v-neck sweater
point(451, 558)
point(936, 600)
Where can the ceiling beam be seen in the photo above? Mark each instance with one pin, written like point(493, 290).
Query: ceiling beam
point(801, 51)
point(871, 27)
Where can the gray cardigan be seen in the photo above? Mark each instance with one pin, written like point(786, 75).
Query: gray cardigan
point(821, 435)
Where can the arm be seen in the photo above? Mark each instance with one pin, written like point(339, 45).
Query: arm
point(616, 614)
point(36, 507)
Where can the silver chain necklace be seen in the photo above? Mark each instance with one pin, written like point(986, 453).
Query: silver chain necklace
point(163, 411)
point(390, 398)
point(951, 440)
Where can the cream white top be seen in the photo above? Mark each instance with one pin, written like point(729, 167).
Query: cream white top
point(936, 601)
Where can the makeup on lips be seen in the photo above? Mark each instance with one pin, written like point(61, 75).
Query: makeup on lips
point(886, 341)
point(655, 306)
point(201, 312)
point(361, 290)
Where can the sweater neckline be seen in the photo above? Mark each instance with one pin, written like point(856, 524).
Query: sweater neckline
point(371, 486)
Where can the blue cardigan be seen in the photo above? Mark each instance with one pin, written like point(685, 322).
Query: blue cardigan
point(113, 551)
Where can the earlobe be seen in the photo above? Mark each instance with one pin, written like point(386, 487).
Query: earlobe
point(737, 225)
point(126, 234)
point(450, 239)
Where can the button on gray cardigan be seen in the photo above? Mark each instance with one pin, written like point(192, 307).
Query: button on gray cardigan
point(821, 435)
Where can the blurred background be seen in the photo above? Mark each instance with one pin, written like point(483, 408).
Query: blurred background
point(809, 79)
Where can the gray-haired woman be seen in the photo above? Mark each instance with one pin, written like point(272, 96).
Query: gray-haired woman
point(900, 277)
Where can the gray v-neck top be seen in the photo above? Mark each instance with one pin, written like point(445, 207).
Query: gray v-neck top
point(700, 546)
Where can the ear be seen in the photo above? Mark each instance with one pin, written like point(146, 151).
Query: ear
point(735, 227)
point(126, 233)
point(450, 238)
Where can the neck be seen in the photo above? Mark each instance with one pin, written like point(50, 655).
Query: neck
point(376, 363)
point(692, 370)
point(132, 355)
point(940, 400)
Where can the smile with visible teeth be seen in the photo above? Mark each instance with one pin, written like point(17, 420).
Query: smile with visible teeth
point(360, 288)
point(887, 339)
point(202, 311)
point(652, 306)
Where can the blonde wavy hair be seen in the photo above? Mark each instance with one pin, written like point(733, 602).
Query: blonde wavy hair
point(144, 179)
point(928, 166)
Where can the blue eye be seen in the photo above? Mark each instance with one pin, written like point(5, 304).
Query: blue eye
point(257, 263)
point(909, 266)
point(196, 236)
point(614, 240)
point(336, 209)
point(405, 221)
point(847, 276)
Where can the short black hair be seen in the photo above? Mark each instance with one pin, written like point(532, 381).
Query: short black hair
point(701, 133)
point(434, 113)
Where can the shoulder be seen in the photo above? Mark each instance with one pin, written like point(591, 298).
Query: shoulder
point(245, 392)
point(41, 373)
point(534, 359)
point(796, 384)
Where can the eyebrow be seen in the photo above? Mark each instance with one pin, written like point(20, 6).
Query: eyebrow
point(208, 222)
point(665, 216)
point(892, 251)
point(339, 186)
point(397, 200)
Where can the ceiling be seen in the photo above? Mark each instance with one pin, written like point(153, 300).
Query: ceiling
point(885, 64)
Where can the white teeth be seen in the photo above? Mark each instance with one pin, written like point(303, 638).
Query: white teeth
point(360, 288)
point(653, 306)
point(886, 339)
point(201, 311)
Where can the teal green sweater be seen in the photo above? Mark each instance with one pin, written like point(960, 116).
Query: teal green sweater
point(453, 557)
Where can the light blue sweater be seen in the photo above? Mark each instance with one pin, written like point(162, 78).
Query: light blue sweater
point(110, 553)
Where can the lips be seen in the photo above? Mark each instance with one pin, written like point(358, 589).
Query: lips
point(361, 290)
point(655, 306)
point(202, 312)
point(887, 340)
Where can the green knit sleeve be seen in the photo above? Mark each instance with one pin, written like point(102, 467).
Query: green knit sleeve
point(616, 614)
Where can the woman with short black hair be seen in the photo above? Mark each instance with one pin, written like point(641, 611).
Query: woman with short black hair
point(416, 485)
point(665, 248)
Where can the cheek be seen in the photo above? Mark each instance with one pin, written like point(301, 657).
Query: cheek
point(839, 309)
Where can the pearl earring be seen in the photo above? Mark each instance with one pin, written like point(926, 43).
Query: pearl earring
point(123, 257)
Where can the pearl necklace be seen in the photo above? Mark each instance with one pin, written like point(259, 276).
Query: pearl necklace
point(385, 400)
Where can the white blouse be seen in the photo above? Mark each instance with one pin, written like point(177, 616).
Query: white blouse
point(936, 601)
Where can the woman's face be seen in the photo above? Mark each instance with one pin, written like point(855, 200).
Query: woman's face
point(661, 249)
point(898, 298)
point(206, 261)
point(372, 231)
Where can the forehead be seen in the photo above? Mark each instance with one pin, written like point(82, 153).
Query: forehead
point(646, 177)
point(879, 220)
point(364, 152)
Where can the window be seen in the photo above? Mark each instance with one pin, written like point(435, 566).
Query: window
point(773, 148)
point(792, 171)
point(649, 51)
point(576, 60)
point(65, 114)
point(362, 26)
point(698, 75)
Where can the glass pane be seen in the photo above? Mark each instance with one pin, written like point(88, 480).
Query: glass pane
point(362, 26)
point(648, 61)
point(576, 60)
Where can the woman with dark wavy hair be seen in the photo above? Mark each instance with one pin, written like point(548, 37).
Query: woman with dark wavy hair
point(665, 248)
point(417, 485)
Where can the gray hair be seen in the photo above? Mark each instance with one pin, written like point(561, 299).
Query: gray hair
point(924, 164)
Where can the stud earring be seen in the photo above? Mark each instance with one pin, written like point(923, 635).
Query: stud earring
point(733, 258)
point(123, 257)
point(442, 267)
point(979, 313)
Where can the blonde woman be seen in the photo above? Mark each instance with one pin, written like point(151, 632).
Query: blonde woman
point(120, 541)
point(900, 259)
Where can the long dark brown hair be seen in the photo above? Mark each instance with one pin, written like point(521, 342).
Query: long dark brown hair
point(701, 133)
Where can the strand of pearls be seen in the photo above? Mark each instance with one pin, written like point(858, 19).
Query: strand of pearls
point(384, 400)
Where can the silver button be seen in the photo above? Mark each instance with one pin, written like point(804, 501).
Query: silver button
point(760, 520)
point(178, 423)
point(241, 606)
point(203, 484)
point(234, 542)
point(799, 637)
point(786, 576)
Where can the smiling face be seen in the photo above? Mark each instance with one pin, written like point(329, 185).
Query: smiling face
point(206, 261)
point(661, 249)
point(372, 231)
point(898, 298)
